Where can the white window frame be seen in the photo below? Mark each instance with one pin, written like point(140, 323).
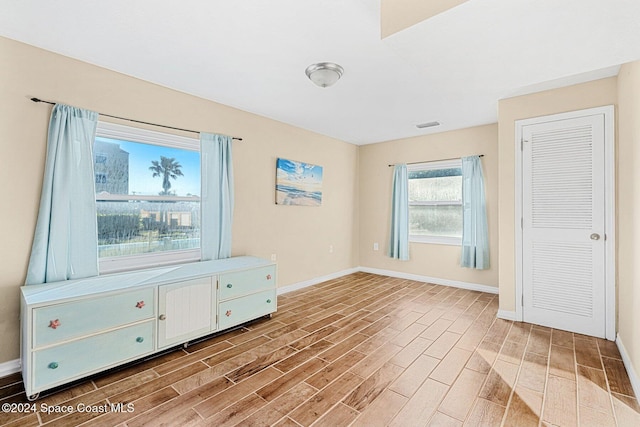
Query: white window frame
point(435, 165)
point(135, 262)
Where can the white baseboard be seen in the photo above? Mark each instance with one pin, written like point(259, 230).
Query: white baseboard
point(434, 280)
point(633, 376)
point(391, 273)
point(315, 281)
point(10, 367)
point(506, 315)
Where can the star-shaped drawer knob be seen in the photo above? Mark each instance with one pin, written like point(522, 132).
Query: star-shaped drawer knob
point(140, 304)
point(53, 324)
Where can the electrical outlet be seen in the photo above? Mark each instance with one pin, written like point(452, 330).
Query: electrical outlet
point(273, 257)
point(376, 246)
point(330, 249)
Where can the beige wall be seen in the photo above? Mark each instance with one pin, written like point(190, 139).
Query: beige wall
point(628, 185)
point(300, 236)
point(571, 98)
point(432, 260)
point(396, 15)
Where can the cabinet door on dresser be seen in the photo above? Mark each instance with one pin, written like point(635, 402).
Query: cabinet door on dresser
point(186, 310)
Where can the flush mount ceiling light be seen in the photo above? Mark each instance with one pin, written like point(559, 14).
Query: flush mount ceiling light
point(428, 125)
point(324, 74)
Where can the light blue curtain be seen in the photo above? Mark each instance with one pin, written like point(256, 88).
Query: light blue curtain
point(217, 196)
point(475, 235)
point(65, 244)
point(399, 235)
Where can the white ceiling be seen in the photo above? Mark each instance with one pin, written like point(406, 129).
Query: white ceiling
point(251, 54)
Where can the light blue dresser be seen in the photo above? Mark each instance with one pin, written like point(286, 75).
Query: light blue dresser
point(76, 328)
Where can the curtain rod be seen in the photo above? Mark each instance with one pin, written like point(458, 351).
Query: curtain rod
point(439, 160)
point(135, 121)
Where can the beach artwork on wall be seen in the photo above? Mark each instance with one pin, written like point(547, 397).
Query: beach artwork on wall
point(298, 183)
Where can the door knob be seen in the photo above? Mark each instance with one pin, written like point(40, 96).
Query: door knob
point(595, 236)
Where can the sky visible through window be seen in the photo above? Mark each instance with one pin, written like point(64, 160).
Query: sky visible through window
point(141, 180)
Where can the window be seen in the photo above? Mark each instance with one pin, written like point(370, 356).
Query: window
point(101, 158)
point(101, 178)
point(147, 197)
point(435, 202)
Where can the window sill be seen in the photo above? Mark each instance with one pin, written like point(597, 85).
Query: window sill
point(145, 261)
point(438, 240)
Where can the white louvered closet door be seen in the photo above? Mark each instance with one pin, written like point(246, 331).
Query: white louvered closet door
point(564, 224)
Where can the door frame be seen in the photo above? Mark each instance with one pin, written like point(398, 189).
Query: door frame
point(610, 209)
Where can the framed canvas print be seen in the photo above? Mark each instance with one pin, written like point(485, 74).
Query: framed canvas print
point(298, 183)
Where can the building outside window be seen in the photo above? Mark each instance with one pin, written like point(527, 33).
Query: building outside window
point(111, 167)
point(435, 202)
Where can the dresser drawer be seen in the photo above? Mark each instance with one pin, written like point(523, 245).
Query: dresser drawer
point(79, 358)
point(247, 282)
point(236, 311)
point(65, 321)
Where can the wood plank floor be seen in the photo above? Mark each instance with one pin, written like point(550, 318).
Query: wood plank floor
point(362, 350)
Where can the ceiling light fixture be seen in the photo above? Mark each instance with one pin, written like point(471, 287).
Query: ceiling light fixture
point(324, 74)
point(428, 125)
